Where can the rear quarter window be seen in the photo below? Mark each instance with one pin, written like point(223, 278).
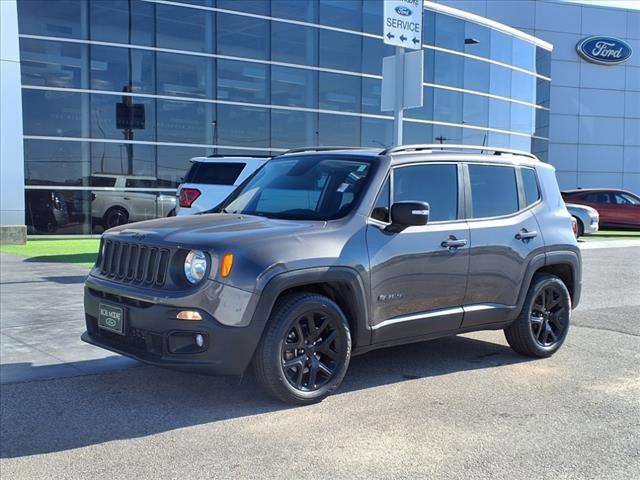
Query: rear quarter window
point(530, 185)
point(214, 173)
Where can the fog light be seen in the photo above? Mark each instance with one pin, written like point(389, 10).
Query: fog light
point(199, 340)
point(189, 315)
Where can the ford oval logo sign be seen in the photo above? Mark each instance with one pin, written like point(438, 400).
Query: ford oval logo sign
point(604, 50)
point(404, 11)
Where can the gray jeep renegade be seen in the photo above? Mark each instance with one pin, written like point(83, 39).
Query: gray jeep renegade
point(326, 253)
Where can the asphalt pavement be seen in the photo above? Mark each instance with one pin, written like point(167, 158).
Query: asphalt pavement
point(461, 407)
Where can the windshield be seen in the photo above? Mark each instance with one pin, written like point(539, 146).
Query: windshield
point(301, 188)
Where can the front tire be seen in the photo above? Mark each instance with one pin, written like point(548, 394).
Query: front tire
point(305, 350)
point(543, 324)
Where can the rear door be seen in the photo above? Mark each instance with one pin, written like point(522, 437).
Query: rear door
point(504, 236)
point(418, 278)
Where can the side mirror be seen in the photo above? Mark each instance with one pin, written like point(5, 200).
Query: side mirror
point(408, 214)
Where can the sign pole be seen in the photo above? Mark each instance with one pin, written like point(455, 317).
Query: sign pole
point(398, 111)
point(402, 74)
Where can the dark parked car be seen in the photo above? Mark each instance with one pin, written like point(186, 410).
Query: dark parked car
point(323, 254)
point(617, 208)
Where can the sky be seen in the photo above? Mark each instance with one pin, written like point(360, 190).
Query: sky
point(631, 4)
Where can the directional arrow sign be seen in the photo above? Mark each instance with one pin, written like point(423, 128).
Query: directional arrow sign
point(403, 23)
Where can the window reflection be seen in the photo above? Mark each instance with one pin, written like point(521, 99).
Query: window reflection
point(54, 113)
point(109, 21)
point(242, 36)
point(246, 126)
point(60, 212)
point(185, 75)
point(449, 32)
point(293, 129)
point(413, 132)
point(340, 50)
point(242, 81)
point(501, 47)
point(56, 19)
point(54, 64)
point(475, 110)
point(294, 44)
point(447, 106)
point(115, 117)
point(118, 117)
point(185, 28)
point(338, 129)
point(294, 86)
point(376, 132)
point(449, 69)
point(110, 69)
point(48, 162)
point(304, 11)
point(186, 122)
point(339, 92)
point(341, 13)
point(113, 159)
point(499, 114)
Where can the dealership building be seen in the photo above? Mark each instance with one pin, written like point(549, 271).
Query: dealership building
point(115, 96)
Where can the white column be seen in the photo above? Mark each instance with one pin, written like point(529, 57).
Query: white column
point(12, 221)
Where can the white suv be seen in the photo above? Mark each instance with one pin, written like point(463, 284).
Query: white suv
point(211, 179)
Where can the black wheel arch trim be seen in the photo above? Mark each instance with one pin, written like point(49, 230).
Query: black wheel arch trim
point(361, 334)
point(549, 258)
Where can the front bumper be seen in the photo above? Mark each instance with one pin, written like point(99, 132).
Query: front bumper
point(152, 331)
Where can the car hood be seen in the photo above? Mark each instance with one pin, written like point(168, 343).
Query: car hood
point(583, 208)
point(212, 229)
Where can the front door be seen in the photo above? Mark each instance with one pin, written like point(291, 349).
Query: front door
point(418, 275)
point(627, 209)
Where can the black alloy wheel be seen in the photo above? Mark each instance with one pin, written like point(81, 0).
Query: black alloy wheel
point(543, 323)
point(310, 351)
point(549, 316)
point(305, 350)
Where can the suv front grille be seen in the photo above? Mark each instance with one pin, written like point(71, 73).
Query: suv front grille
point(134, 263)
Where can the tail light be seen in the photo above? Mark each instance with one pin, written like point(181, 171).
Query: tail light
point(188, 196)
point(574, 226)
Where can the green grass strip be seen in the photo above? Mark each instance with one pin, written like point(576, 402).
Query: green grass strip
point(81, 251)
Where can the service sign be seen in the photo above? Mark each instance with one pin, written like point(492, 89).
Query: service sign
point(403, 23)
point(604, 50)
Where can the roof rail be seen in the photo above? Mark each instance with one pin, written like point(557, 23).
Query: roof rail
point(246, 155)
point(320, 149)
point(444, 147)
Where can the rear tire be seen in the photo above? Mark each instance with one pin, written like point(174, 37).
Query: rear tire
point(305, 350)
point(543, 324)
point(115, 217)
point(580, 231)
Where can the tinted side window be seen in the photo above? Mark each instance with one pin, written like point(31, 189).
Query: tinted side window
point(103, 181)
point(530, 184)
point(434, 184)
point(140, 183)
point(381, 208)
point(493, 190)
point(214, 173)
point(597, 198)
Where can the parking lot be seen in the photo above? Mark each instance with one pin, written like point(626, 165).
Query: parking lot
point(462, 407)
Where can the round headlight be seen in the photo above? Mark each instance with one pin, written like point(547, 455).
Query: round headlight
point(195, 266)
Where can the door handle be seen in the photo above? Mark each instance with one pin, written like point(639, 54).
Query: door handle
point(452, 243)
point(526, 235)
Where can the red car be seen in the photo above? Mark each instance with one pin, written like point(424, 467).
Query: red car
point(617, 208)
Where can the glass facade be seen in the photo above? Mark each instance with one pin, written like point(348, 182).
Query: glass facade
point(129, 90)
